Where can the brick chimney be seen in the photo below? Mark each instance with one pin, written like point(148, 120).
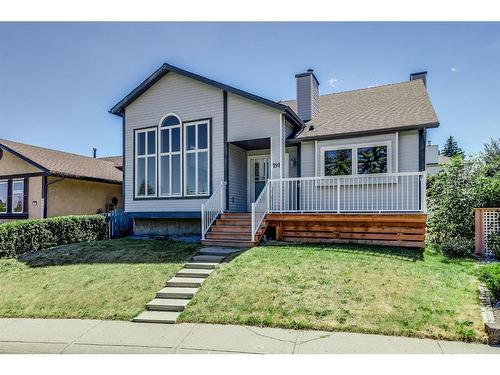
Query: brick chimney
point(307, 95)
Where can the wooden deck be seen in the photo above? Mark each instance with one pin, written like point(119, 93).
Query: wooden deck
point(406, 230)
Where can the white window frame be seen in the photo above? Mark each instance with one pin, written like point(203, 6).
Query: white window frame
point(170, 154)
point(354, 149)
point(14, 192)
point(196, 151)
point(145, 156)
point(6, 183)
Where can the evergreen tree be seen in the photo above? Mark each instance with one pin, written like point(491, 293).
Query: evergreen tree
point(451, 148)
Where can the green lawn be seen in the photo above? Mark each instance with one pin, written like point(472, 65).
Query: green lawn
point(102, 280)
point(358, 289)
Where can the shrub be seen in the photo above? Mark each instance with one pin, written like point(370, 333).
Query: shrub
point(490, 276)
point(18, 237)
point(494, 244)
point(452, 195)
point(456, 247)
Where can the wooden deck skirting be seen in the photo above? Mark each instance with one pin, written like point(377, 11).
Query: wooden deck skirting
point(405, 230)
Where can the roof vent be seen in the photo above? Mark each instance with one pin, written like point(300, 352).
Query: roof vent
point(311, 127)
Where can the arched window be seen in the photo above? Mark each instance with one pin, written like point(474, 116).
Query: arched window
point(170, 120)
point(170, 155)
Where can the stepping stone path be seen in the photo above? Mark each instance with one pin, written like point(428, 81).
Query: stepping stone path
point(180, 289)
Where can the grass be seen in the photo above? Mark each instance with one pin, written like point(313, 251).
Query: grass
point(348, 288)
point(100, 280)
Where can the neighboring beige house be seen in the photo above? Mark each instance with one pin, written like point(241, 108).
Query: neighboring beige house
point(37, 182)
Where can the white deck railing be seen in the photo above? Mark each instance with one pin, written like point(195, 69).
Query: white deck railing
point(259, 209)
point(388, 192)
point(212, 208)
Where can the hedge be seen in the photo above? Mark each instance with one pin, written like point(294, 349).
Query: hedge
point(18, 237)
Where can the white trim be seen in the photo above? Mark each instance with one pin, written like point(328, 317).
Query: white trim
point(196, 151)
point(282, 136)
point(396, 151)
point(145, 157)
point(14, 192)
point(170, 154)
point(315, 158)
point(354, 149)
point(6, 183)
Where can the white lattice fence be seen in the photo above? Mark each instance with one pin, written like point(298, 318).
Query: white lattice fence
point(487, 222)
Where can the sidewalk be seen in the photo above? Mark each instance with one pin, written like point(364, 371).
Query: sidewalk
point(96, 336)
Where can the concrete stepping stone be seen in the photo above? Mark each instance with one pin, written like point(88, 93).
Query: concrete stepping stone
point(167, 304)
point(201, 265)
point(168, 317)
point(218, 251)
point(185, 282)
point(192, 272)
point(208, 258)
point(173, 292)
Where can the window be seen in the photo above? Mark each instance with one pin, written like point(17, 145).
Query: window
point(196, 156)
point(372, 159)
point(145, 164)
point(170, 156)
point(18, 196)
point(3, 197)
point(338, 162)
point(356, 159)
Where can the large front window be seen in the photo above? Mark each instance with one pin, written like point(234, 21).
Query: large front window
point(170, 156)
point(196, 155)
point(356, 159)
point(3, 196)
point(145, 182)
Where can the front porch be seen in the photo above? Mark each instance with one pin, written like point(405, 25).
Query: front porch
point(377, 209)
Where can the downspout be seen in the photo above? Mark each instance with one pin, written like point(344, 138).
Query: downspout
point(45, 193)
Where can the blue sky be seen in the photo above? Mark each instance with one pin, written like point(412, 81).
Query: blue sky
point(58, 80)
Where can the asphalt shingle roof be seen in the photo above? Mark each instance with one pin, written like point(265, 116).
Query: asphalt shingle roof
point(66, 164)
point(117, 160)
point(394, 106)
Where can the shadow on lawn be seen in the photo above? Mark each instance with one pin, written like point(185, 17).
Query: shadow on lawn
point(409, 254)
point(113, 251)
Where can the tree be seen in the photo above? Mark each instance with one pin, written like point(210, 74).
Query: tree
point(451, 148)
point(491, 157)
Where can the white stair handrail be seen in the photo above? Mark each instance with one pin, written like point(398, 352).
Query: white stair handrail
point(211, 209)
point(260, 208)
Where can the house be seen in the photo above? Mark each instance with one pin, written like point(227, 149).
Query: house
point(433, 160)
point(202, 156)
point(37, 182)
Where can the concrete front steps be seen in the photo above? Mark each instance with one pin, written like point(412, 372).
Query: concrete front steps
point(233, 229)
point(180, 289)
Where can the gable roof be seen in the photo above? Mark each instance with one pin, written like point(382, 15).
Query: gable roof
point(118, 108)
point(392, 107)
point(64, 164)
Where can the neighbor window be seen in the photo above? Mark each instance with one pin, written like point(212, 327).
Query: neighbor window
point(356, 159)
point(145, 163)
point(196, 158)
point(170, 156)
point(3, 196)
point(18, 196)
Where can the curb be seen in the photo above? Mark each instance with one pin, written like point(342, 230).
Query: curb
point(492, 327)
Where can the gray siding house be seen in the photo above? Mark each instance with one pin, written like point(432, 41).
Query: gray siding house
point(204, 157)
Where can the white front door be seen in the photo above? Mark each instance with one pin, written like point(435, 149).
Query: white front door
point(259, 170)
